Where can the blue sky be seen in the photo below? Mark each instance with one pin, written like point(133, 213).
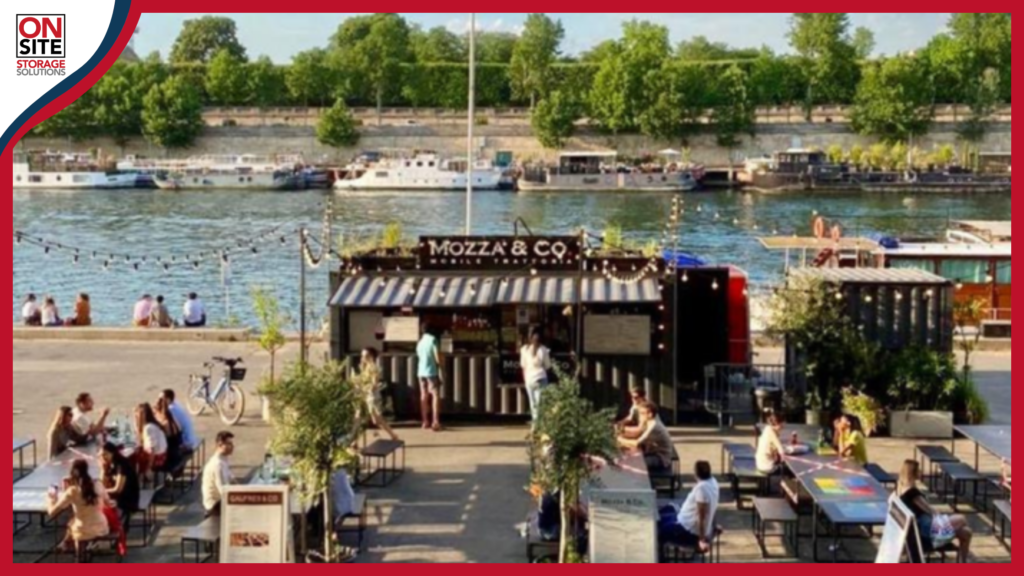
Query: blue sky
point(282, 35)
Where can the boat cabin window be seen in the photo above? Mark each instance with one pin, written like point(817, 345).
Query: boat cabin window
point(911, 264)
point(382, 175)
point(79, 179)
point(1003, 273)
point(418, 164)
point(35, 179)
point(966, 271)
point(431, 164)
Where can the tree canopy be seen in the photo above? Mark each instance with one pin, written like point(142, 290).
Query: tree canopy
point(336, 127)
point(894, 99)
point(172, 114)
point(200, 39)
point(534, 55)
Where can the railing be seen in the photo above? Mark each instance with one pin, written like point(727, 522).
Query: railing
point(729, 389)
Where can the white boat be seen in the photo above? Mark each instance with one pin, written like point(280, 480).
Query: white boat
point(236, 172)
point(599, 172)
point(59, 171)
point(196, 178)
point(424, 171)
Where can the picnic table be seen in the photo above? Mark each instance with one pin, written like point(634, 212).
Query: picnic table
point(20, 446)
point(994, 439)
point(843, 493)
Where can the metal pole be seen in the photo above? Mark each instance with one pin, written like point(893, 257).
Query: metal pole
point(303, 352)
point(677, 215)
point(472, 121)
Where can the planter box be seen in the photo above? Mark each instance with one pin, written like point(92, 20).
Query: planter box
point(938, 425)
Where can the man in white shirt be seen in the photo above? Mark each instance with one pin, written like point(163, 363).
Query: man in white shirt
point(183, 419)
point(81, 417)
point(535, 359)
point(217, 474)
point(194, 313)
point(30, 313)
point(696, 519)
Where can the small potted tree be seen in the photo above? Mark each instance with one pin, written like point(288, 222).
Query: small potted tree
point(271, 336)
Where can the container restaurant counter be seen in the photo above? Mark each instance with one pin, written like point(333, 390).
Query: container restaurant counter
point(614, 328)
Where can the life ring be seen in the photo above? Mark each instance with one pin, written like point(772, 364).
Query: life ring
point(819, 228)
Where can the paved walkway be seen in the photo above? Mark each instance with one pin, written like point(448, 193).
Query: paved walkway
point(463, 497)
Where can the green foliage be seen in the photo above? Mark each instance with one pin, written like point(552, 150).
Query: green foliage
point(118, 112)
point(392, 237)
point(315, 411)
point(309, 79)
point(569, 434)
point(922, 380)
point(868, 410)
point(829, 58)
point(271, 324)
point(534, 55)
point(436, 45)
point(898, 156)
point(836, 154)
point(982, 99)
point(265, 83)
point(613, 240)
point(371, 51)
point(447, 85)
point(733, 116)
point(945, 155)
point(621, 92)
point(878, 157)
point(968, 316)
point(337, 128)
point(968, 404)
point(894, 99)
point(863, 42)
point(495, 47)
point(226, 79)
point(172, 114)
point(77, 122)
point(202, 38)
point(554, 119)
point(700, 49)
point(857, 156)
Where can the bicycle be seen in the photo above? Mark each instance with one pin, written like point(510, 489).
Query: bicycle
point(228, 399)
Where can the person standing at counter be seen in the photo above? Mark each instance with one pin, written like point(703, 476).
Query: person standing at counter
point(535, 359)
point(429, 353)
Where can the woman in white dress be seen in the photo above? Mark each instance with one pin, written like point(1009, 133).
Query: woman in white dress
point(535, 359)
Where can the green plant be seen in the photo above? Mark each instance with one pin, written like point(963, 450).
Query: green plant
point(392, 237)
point(923, 380)
point(271, 324)
point(613, 239)
point(968, 314)
point(868, 410)
point(969, 404)
point(836, 154)
point(569, 433)
point(315, 410)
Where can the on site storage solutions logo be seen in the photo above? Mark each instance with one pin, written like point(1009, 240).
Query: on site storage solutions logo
point(41, 44)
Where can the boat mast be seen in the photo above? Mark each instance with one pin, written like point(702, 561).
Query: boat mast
point(472, 114)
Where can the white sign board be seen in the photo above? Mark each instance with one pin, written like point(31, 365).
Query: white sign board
point(363, 331)
point(402, 330)
point(619, 335)
point(896, 537)
point(623, 529)
point(254, 525)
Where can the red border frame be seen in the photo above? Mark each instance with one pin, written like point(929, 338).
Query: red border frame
point(322, 6)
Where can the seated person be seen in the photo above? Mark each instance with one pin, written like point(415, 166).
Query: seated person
point(194, 312)
point(770, 449)
point(120, 480)
point(217, 474)
point(82, 413)
point(153, 450)
point(143, 310)
point(159, 316)
point(190, 442)
point(694, 523)
point(83, 312)
point(852, 443)
point(936, 530)
point(629, 426)
point(63, 434)
point(654, 440)
point(31, 315)
point(50, 314)
point(86, 499)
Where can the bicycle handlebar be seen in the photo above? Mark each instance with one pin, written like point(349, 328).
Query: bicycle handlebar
point(230, 361)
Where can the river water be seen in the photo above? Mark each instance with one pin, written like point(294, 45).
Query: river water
point(721, 227)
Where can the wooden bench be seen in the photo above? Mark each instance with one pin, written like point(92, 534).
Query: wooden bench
point(359, 514)
point(881, 476)
point(147, 511)
point(1001, 519)
point(957, 475)
point(732, 452)
point(776, 511)
point(538, 549)
point(374, 462)
point(676, 553)
point(745, 470)
point(930, 457)
point(205, 538)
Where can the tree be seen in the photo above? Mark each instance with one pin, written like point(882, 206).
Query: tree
point(76, 122)
point(700, 49)
point(265, 83)
point(118, 109)
point(863, 43)
point(372, 49)
point(894, 99)
point(621, 92)
point(202, 38)
point(226, 79)
point(272, 323)
point(570, 435)
point(734, 115)
point(534, 55)
point(982, 99)
point(836, 154)
point(554, 119)
point(172, 114)
point(437, 45)
point(337, 128)
point(609, 103)
point(315, 411)
point(601, 52)
point(495, 47)
point(308, 78)
point(822, 40)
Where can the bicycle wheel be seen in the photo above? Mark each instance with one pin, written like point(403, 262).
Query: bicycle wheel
point(231, 405)
point(195, 400)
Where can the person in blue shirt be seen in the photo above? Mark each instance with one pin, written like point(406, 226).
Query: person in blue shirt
point(429, 353)
point(181, 416)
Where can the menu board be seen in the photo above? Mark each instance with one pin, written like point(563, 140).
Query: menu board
point(896, 537)
point(618, 335)
point(402, 330)
point(254, 525)
point(622, 527)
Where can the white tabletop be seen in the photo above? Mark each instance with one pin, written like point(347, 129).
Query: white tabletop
point(30, 501)
point(22, 444)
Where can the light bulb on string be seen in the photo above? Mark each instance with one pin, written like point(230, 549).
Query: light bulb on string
point(17, 238)
point(46, 251)
point(106, 265)
point(686, 276)
point(74, 260)
point(714, 285)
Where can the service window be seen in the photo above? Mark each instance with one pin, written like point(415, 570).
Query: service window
point(966, 271)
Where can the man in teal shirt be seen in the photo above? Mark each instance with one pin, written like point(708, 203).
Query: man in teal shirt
point(429, 354)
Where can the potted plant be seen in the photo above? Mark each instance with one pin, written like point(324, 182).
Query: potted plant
point(568, 434)
point(271, 337)
point(868, 410)
point(813, 411)
point(315, 410)
point(922, 393)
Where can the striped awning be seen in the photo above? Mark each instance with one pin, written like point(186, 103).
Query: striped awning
point(455, 293)
point(604, 291)
point(555, 291)
point(367, 292)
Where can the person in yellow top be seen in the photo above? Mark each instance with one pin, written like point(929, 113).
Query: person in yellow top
point(852, 443)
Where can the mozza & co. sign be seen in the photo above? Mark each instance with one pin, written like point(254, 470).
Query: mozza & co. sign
point(499, 253)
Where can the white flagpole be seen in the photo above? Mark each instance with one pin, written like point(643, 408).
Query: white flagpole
point(472, 121)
